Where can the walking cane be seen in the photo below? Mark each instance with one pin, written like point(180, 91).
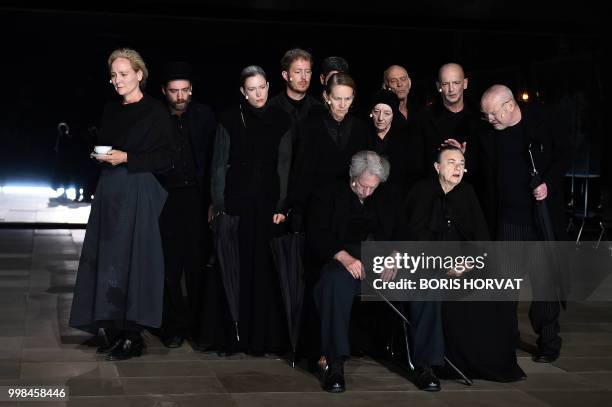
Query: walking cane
point(467, 381)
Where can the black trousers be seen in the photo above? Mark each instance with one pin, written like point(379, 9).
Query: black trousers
point(182, 225)
point(543, 315)
point(334, 294)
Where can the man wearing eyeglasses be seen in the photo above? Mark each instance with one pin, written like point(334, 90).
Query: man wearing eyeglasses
point(521, 138)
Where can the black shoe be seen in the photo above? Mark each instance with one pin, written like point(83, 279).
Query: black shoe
point(108, 342)
point(426, 380)
point(126, 349)
point(333, 378)
point(541, 357)
point(173, 342)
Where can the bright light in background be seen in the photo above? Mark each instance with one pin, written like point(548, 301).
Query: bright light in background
point(43, 191)
point(71, 194)
point(525, 97)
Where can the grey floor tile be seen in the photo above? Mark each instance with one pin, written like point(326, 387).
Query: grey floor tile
point(209, 400)
point(555, 381)
point(349, 398)
point(251, 367)
point(573, 398)
point(268, 383)
point(10, 369)
point(90, 370)
point(585, 364)
point(498, 398)
point(172, 386)
point(134, 368)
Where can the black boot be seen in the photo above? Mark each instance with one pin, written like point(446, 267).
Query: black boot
point(333, 378)
point(130, 346)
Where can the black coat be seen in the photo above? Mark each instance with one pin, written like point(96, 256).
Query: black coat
point(199, 123)
point(434, 124)
point(327, 226)
point(250, 168)
point(432, 215)
point(320, 160)
point(402, 150)
point(551, 151)
point(308, 104)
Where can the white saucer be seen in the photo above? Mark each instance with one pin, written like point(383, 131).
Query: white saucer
point(94, 155)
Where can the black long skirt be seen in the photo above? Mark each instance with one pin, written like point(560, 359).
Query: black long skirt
point(480, 339)
point(120, 279)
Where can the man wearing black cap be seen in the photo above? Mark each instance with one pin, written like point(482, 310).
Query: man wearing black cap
point(183, 220)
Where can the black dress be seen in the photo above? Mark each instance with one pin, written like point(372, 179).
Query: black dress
point(120, 279)
point(251, 163)
point(479, 337)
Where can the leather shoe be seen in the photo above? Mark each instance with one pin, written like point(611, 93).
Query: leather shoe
point(173, 342)
point(108, 343)
point(545, 357)
point(333, 378)
point(426, 380)
point(126, 349)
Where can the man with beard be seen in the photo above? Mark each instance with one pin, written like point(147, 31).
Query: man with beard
point(397, 80)
point(296, 66)
point(183, 220)
point(449, 121)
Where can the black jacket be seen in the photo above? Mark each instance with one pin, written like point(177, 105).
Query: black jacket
point(551, 151)
point(327, 226)
point(199, 123)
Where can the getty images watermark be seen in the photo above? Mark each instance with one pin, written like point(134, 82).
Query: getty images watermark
point(485, 271)
point(455, 266)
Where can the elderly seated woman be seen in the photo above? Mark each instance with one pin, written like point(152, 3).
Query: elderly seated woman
point(343, 215)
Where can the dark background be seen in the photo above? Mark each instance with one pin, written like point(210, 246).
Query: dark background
point(54, 59)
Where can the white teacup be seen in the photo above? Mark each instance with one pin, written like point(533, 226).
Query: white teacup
point(102, 149)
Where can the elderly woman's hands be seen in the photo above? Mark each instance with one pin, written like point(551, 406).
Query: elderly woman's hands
point(113, 157)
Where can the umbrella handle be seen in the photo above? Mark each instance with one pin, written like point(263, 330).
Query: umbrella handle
point(236, 328)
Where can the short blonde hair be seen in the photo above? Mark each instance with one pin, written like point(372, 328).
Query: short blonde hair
point(138, 64)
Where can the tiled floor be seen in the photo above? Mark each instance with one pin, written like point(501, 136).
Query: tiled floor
point(37, 272)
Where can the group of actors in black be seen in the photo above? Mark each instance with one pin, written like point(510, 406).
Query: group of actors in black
point(302, 163)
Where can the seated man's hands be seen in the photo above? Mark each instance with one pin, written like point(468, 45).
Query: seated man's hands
point(389, 274)
point(351, 264)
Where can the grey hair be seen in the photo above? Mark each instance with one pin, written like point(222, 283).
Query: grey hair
point(251, 70)
point(371, 162)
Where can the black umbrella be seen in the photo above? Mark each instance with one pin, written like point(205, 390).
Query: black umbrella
point(225, 228)
point(287, 251)
point(545, 226)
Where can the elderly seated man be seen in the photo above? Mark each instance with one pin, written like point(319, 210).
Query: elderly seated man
point(343, 215)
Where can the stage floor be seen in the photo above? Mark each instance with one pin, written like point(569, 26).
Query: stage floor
point(37, 274)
